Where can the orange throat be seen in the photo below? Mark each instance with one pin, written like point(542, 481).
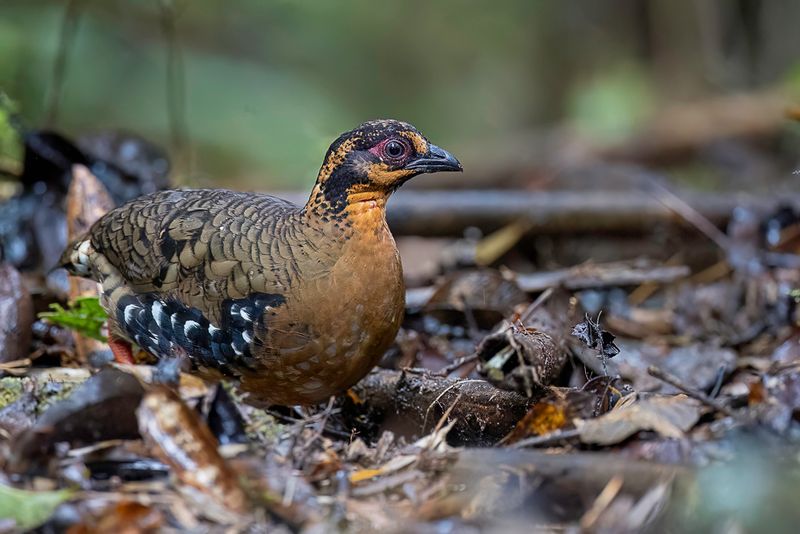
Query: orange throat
point(366, 211)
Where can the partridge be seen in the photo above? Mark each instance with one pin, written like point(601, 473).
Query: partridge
point(295, 303)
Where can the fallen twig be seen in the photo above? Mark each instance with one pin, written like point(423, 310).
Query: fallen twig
point(699, 395)
point(591, 275)
point(469, 358)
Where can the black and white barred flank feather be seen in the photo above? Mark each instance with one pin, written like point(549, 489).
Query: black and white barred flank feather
point(166, 327)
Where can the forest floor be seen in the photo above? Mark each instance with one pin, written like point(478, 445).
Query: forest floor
point(610, 366)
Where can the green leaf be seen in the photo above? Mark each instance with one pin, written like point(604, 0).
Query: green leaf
point(84, 315)
point(29, 509)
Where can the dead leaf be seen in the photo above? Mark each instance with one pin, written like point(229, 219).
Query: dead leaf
point(594, 337)
point(697, 365)
point(555, 411)
point(87, 201)
point(543, 418)
point(669, 416)
point(181, 440)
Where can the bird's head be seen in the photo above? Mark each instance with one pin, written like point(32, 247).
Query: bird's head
point(369, 162)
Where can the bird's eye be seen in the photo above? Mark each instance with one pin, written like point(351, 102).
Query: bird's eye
point(394, 149)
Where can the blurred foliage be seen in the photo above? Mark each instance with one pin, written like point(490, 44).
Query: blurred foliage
point(10, 146)
point(612, 105)
point(754, 493)
point(29, 509)
point(268, 85)
point(85, 315)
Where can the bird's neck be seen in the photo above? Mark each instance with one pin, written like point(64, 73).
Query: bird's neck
point(366, 212)
point(357, 211)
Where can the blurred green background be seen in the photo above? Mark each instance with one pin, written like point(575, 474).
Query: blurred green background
point(259, 89)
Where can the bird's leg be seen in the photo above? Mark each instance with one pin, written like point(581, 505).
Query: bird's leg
point(121, 349)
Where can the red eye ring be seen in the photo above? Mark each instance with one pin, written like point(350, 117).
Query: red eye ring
point(394, 149)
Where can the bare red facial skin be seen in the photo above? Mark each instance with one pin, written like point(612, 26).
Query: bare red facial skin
point(379, 150)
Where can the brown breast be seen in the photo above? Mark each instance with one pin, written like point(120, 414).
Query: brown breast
point(334, 328)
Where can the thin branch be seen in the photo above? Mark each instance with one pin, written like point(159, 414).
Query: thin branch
point(674, 381)
point(459, 362)
point(535, 305)
point(679, 206)
point(176, 79)
point(69, 26)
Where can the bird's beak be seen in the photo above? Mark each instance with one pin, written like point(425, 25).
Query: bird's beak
point(436, 160)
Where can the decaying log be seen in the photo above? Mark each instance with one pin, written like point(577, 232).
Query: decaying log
point(412, 404)
point(519, 358)
point(448, 213)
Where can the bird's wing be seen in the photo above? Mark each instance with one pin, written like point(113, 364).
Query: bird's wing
point(205, 270)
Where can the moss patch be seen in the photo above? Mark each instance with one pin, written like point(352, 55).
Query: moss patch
point(12, 388)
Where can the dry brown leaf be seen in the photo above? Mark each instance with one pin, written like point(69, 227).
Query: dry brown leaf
point(669, 416)
point(181, 440)
point(87, 201)
point(544, 418)
point(547, 415)
point(101, 408)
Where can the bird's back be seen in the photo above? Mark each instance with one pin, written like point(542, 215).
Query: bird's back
point(161, 242)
